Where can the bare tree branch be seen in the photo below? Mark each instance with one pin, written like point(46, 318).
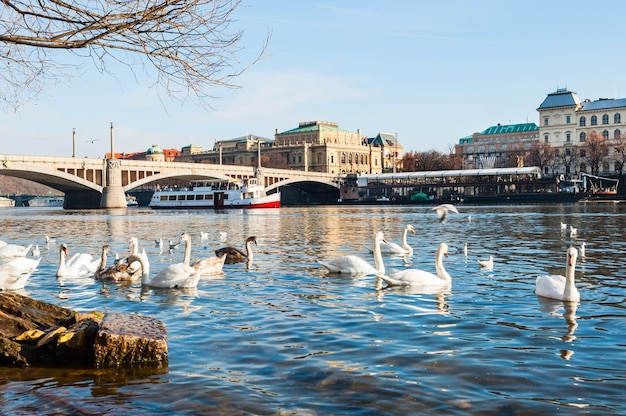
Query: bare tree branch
point(188, 42)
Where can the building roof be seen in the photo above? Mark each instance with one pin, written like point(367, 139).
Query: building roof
point(604, 104)
point(308, 126)
point(561, 98)
point(511, 128)
point(384, 140)
point(154, 149)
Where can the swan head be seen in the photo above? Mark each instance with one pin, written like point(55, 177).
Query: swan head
point(380, 237)
point(251, 239)
point(410, 228)
point(185, 238)
point(63, 248)
point(572, 254)
point(443, 249)
point(133, 242)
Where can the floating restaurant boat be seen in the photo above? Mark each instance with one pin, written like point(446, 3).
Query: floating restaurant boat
point(46, 201)
point(247, 193)
point(475, 186)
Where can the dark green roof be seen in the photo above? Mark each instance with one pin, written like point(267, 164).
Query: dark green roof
point(315, 126)
point(511, 128)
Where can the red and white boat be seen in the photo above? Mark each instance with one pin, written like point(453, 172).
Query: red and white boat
point(245, 193)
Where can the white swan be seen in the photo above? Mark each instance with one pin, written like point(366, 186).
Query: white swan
point(443, 209)
point(486, 264)
point(15, 273)
point(356, 266)
point(234, 255)
point(416, 277)
point(120, 271)
point(403, 249)
point(207, 266)
point(178, 275)
point(14, 250)
point(80, 264)
point(560, 287)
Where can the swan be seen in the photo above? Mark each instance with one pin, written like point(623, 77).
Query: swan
point(208, 265)
point(486, 264)
point(14, 250)
point(397, 249)
point(15, 273)
point(177, 275)
point(79, 264)
point(119, 272)
point(560, 287)
point(234, 255)
point(416, 277)
point(356, 266)
point(443, 209)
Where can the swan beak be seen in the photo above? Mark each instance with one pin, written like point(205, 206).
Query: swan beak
point(569, 260)
point(446, 254)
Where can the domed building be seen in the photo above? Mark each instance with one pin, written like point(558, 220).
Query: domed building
point(155, 154)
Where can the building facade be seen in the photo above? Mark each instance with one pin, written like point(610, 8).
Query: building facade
point(566, 121)
point(498, 146)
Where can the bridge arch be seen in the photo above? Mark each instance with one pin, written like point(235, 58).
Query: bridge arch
point(184, 174)
point(62, 181)
point(294, 181)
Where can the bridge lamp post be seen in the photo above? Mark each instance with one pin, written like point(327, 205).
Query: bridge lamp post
point(112, 142)
point(73, 142)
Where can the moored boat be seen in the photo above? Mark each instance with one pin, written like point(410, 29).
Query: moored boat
point(6, 202)
point(247, 193)
point(46, 201)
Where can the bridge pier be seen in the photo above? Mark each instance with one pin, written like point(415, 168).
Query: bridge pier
point(113, 195)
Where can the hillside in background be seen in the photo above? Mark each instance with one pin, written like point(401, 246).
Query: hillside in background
point(17, 186)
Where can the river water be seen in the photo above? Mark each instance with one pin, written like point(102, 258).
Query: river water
point(285, 337)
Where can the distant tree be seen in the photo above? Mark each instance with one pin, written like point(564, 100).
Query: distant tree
point(275, 160)
point(187, 42)
point(596, 149)
point(516, 157)
point(409, 161)
point(542, 155)
point(565, 158)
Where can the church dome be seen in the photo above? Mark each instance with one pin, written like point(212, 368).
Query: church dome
point(154, 150)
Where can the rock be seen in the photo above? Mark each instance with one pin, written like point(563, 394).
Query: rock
point(130, 339)
point(38, 333)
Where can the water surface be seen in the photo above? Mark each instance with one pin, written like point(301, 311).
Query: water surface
point(285, 337)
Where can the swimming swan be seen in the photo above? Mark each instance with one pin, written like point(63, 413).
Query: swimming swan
point(356, 266)
point(234, 255)
point(121, 271)
point(14, 250)
point(403, 249)
point(80, 264)
point(15, 273)
point(560, 287)
point(207, 266)
point(416, 277)
point(178, 275)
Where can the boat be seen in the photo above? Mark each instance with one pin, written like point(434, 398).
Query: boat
point(46, 201)
point(6, 202)
point(246, 193)
point(131, 201)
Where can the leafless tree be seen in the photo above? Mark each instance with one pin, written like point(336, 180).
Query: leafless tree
point(188, 42)
point(566, 158)
point(542, 155)
point(596, 149)
point(619, 152)
point(409, 161)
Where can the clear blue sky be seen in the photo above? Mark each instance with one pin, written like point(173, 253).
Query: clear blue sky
point(430, 71)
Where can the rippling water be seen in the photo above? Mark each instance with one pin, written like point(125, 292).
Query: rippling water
point(286, 338)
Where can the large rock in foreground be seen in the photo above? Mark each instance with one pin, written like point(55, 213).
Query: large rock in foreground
point(34, 333)
point(125, 340)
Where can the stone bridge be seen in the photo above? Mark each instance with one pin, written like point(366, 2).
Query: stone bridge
point(103, 183)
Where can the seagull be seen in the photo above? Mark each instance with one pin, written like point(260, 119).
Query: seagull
point(204, 236)
point(465, 249)
point(443, 209)
point(486, 264)
point(581, 250)
point(159, 244)
point(563, 227)
point(173, 245)
point(572, 231)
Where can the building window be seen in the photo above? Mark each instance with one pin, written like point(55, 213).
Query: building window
point(568, 137)
point(583, 153)
point(583, 167)
point(545, 138)
point(545, 121)
point(332, 159)
point(583, 122)
point(605, 167)
point(568, 152)
point(605, 134)
point(617, 134)
point(583, 136)
point(568, 119)
point(605, 119)
point(617, 118)
point(343, 157)
point(594, 120)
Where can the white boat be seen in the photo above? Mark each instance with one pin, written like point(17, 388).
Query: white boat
point(245, 193)
point(6, 202)
point(131, 201)
point(46, 201)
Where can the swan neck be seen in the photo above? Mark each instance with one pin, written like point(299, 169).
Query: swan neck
point(378, 257)
point(441, 271)
point(187, 258)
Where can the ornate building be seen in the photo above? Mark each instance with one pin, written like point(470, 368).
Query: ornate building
point(498, 146)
